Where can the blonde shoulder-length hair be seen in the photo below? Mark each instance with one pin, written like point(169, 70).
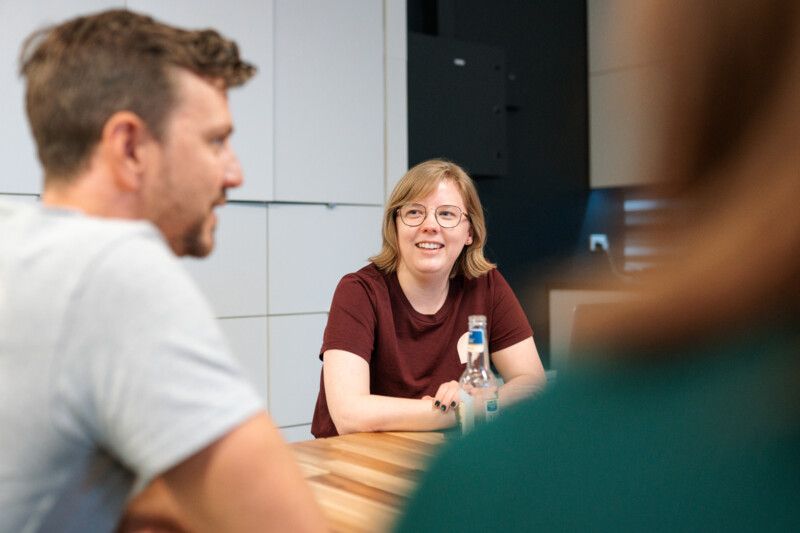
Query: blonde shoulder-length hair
point(418, 183)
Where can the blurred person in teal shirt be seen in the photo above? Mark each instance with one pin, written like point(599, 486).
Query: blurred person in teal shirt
point(684, 413)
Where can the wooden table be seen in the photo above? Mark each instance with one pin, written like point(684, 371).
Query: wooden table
point(361, 480)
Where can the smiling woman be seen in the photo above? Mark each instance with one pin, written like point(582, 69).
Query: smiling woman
point(391, 347)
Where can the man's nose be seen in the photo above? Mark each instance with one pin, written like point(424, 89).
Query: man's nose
point(233, 176)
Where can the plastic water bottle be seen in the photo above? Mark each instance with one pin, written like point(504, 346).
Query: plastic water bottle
point(478, 386)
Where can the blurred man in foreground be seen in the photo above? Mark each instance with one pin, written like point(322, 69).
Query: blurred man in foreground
point(112, 369)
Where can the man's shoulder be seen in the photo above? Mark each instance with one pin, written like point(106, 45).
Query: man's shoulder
point(70, 227)
point(92, 255)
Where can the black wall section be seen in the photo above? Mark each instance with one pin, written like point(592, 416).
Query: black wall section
point(535, 211)
point(456, 86)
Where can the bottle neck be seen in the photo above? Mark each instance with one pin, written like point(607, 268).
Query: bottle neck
point(477, 355)
point(474, 359)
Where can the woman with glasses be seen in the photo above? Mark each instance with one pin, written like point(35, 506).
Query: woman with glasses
point(395, 343)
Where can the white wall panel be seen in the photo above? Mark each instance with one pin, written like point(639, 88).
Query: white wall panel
point(294, 366)
point(250, 24)
point(234, 276)
point(297, 433)
point(21, 171)
point(329, 106)
point(396, 98)
point(27, 199)
point(396, 28)
point(396, 122)
point(311, 247)
point(247, 338)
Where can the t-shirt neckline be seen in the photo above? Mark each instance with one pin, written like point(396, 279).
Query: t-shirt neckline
point(436, 317)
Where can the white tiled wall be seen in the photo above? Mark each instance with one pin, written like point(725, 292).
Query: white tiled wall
point(234, 275)
point(247, 338)
point(294, 366)
point(297, 433)
point(396, 97)
point(322, 123)
point(250, 23)
point(21, 173)
point(311, 247)
point(329, 101)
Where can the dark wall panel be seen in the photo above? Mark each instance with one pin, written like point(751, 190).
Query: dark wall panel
point(535, 212)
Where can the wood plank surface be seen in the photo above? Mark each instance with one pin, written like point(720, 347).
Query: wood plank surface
point(362, 480)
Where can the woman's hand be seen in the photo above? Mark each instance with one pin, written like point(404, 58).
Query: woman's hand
point(354, 409)
point(446, 397)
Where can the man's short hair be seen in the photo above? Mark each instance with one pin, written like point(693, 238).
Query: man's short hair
point(84, 70)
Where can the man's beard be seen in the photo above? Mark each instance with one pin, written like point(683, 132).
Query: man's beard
point(193, 244)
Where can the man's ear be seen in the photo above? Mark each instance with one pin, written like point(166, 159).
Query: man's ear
point(127, 145)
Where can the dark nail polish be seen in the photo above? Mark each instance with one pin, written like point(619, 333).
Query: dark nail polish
point(437, 403)
point(444, 408)
point(453, 403)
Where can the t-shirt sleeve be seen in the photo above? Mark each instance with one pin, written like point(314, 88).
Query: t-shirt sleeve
point(146, 372)
point(352, 319)
point(508, 323)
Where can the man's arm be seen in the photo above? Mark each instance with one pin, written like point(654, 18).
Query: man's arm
point(354, 409)
point(247, 480)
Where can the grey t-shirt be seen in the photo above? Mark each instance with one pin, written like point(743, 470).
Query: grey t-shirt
point(112, 368)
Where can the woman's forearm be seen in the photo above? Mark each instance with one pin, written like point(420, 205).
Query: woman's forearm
point(384, 413)
point(520, 387)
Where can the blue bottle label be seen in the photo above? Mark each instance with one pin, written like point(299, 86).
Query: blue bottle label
point(492, 409)
point(476, 336)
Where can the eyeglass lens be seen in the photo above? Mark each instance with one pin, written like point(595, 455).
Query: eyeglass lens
point(448, 216)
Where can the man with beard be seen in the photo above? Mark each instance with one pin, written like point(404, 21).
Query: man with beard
point(114, 373)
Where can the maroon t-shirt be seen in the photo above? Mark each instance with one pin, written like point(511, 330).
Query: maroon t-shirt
point(410, 354)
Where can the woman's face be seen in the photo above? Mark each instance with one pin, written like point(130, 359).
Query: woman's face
point(429, 250)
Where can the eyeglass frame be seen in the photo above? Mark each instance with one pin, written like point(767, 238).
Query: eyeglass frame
point(462, 215)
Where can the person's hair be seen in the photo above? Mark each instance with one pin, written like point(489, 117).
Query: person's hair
point(418, 183)
point(79, 73)
point(731, 152)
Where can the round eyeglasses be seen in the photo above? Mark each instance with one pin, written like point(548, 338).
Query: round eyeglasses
point(447, 216)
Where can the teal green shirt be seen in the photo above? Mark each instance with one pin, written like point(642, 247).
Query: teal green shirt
point(707, 442)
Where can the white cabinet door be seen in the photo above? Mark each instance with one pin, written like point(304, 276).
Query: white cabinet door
point(26, 199)
point(297, 433)
point(234, 276)
point(396, 93)
point(247, 338)
point(311, 247)
point(250, 24)
point(21, 171)
point(294, 367)
point(329, 97)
